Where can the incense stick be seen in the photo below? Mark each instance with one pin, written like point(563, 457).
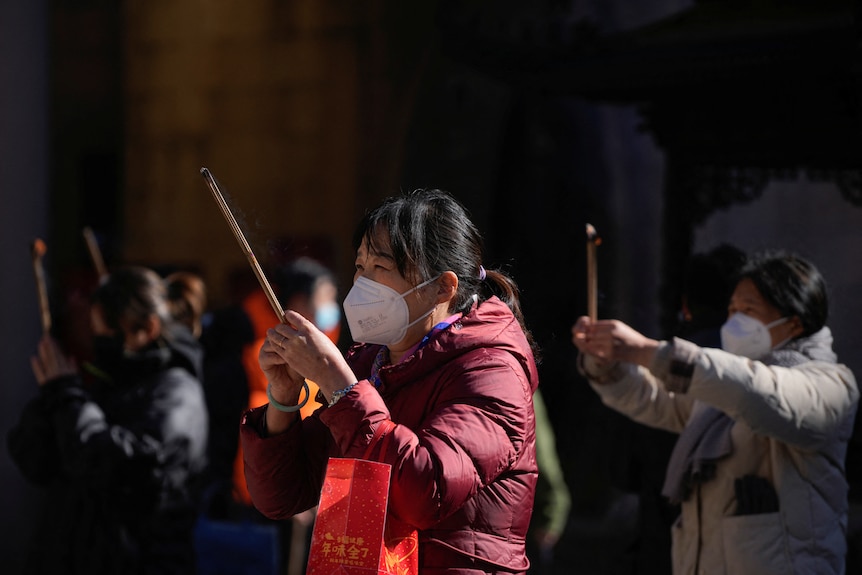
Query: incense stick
point(243, 244)
point(592, 275)
point(37, 251)
point(95, 252)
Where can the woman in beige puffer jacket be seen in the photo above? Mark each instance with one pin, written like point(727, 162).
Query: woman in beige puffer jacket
point(759, 466)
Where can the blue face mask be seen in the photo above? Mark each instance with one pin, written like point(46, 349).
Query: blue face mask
point(327, 316)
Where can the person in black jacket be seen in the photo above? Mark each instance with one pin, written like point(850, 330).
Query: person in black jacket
point(119, 454)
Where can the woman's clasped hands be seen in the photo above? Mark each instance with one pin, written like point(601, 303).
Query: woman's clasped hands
point(297, 350)
point(50, 362)
point(611, 340)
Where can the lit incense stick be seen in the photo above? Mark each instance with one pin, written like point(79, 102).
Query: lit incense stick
point(37, 250)
point(593, 240)
point(255, 266)
point(95, 252)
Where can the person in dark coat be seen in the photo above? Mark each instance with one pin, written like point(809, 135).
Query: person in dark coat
point(446, 358)
point(119, 454)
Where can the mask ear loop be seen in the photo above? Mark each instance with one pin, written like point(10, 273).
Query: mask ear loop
point(424, 315)
point(772, 324)
point(420, 286)
point(416, 288)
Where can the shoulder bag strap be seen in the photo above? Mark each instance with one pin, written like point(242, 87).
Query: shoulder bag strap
point(382, 430)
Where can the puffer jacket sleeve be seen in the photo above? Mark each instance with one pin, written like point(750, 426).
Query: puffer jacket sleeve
point(147, 450)
point(635, 392)
point(32, 443)
point(482, 418)
point(804, 405)
point(284, 472)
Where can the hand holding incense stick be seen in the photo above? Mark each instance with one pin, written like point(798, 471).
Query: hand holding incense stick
point(95, 252)
point(37, 250)
point(593, 240)
point(255, 266)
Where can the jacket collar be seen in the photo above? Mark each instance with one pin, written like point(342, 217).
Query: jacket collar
point(488, 325)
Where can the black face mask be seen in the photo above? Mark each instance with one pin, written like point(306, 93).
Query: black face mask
point(121, 365)
point(109, 352)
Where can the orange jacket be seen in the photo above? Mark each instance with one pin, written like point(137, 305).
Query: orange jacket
point(262, 317)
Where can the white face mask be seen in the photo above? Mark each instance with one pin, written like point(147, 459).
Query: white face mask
point(746, 336)
point(377, 313)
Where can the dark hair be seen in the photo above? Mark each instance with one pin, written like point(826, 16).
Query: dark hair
point(430, 232)
point(709, 282)
point(793, 285)
point(187, 299)
point(301, 276)
point(133, 293)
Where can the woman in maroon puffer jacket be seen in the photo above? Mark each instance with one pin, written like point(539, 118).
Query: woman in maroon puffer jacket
point(444, 354)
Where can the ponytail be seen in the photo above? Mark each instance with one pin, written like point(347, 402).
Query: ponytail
point(497, 283)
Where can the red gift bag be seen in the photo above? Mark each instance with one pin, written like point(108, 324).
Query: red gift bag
point(352, 533)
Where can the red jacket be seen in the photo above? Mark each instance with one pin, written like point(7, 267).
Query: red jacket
point(463, 451)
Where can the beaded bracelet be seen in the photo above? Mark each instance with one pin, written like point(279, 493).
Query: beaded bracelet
point(288, 408)
point(340, 393)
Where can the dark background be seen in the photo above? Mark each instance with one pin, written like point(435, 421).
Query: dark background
point(670, 126)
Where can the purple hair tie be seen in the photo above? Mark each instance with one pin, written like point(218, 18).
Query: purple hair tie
point(482, 273)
